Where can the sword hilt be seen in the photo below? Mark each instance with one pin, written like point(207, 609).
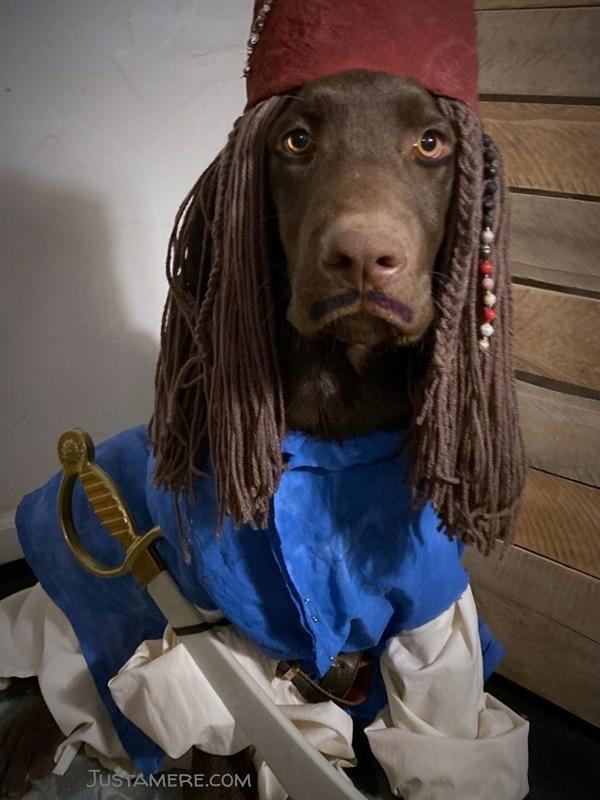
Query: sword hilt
point(76, 454)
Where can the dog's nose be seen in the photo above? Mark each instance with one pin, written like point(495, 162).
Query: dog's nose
point(360, 256)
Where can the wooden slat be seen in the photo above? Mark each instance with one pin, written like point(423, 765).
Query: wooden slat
point(548, 146)
point(486, 5)
point(556, 336)
point(561, 432)
point(543, 656)
point(556, 240)
point(560, 519)
point(546, 615)
point(561, 594)
point(540, 52)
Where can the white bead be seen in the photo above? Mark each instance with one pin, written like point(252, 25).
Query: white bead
point(486, 329)
point(484, 345)
point(489, 299)
point(487, 237)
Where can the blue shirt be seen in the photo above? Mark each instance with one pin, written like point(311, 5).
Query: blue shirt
point(344, 564)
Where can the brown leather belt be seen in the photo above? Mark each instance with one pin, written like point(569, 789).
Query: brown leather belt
point(346, 682)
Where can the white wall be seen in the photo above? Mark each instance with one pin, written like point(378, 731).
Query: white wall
point(109, 110)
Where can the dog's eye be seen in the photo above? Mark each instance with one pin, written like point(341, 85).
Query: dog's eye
point(297, 142)
point(431, 146)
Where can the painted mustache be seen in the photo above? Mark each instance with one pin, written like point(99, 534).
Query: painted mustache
point(320, 308)
point(396, 307)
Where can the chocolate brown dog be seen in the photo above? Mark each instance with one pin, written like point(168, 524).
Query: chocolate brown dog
point(361, 172)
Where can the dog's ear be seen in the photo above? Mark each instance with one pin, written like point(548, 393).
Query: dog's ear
point(217, 379)
point(467, 447)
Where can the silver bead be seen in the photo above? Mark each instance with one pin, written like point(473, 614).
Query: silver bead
point(486, 330)
point(486, 249)
point(484, 345)
point(258, 25)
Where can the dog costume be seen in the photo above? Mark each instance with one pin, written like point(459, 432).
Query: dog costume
point(332, 569)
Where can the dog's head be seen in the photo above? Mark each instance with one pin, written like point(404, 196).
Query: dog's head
point(373, 190)
point(361, 168)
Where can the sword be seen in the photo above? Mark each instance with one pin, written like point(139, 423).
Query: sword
point(301, 769)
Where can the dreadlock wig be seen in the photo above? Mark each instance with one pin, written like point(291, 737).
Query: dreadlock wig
point(217, 378)
point(218, 382)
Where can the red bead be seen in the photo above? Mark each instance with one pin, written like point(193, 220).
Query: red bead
point(489, 314)
point(486, 267)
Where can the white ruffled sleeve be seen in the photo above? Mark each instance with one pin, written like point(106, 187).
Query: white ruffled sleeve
point(165, 693)
point(441, 736)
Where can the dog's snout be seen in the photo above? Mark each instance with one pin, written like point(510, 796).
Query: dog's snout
point(361, 255)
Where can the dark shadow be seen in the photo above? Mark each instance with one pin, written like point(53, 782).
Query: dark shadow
point(564, 751)
point(69, 355)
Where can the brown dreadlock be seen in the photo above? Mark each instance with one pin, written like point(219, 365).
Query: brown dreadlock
point(218, 382)
point(466, 442)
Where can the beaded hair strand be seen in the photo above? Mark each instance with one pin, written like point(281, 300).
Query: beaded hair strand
point(467, 451)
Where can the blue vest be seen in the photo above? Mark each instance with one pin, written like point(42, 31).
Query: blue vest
point(344, 564)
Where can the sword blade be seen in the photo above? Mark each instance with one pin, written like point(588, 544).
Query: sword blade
point(302, 771)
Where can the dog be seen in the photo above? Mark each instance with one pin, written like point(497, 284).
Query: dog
point(361, 168)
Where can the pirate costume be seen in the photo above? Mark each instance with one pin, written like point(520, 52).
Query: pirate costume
point(350, 607)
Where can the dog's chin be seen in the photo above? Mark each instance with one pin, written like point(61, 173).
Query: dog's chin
point(362, 335)
point(365, 335)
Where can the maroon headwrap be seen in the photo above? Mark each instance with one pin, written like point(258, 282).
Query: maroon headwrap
point(433, 41)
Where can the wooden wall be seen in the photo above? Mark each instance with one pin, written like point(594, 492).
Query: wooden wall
point(540, 92)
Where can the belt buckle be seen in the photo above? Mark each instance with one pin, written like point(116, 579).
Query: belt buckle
point(291, 670)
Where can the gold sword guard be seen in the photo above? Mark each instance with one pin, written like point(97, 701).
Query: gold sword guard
point(76, 454)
